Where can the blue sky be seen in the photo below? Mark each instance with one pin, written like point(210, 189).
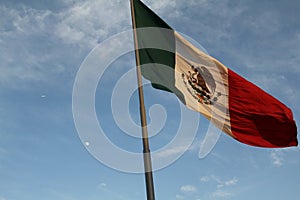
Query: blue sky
point(42, 45)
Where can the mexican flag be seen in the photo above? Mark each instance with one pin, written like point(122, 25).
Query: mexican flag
point(203, 84)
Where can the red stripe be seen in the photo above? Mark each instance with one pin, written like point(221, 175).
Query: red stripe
point(257, 118)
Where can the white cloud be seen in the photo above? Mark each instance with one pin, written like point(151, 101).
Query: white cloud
point(161, 5)
point(102, 186)
point(25, 54)
point(36, 44)
point(171, 151)
point(182, 146)
point(219, 183)
point(221, 194)
point(69, 34)
point(227, 183)
point(231, 182)
point(277, 158)
point(89, 21)
point(188, 189)
point(212, 178)
point(205, 179)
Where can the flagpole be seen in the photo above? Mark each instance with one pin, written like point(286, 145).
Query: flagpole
point(146, 149)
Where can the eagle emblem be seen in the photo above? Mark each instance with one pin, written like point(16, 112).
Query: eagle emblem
point(201, 84)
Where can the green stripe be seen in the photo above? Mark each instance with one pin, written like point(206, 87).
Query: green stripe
point(163, 37)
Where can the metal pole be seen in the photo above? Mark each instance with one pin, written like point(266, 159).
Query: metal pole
point(146, 149)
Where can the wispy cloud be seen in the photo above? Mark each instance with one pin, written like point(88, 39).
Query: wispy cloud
point(231, 182)
point(172, 151)
point(277, 158)
point(102, 186)
point(188, 189)
point(219, 181)
point(91, 21)
point(183, 146)
point(40, 45)
point(205, 179)
point(221, 186)
point(221, 194)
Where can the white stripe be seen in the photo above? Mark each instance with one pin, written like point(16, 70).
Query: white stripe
point(211, 99)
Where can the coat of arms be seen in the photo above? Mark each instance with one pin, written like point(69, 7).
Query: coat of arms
point(202, 83)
